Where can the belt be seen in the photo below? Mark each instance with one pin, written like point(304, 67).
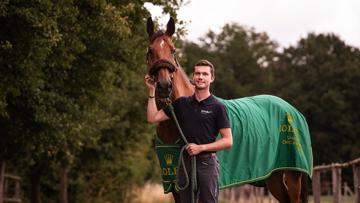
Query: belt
point(202, 155)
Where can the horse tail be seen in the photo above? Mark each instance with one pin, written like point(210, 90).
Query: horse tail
point(304, 188)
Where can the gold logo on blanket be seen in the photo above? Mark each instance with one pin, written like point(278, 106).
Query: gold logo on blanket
point(289, 117)
point(291, 133)
point(168, 159)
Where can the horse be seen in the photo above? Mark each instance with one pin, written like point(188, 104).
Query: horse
point(285, 184)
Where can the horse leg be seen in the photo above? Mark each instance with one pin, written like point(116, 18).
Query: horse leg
point(276, 186)
point(304, 189)
point(293, 183)
point(176, 196)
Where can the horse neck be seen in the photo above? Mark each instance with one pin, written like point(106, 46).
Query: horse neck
point(181, 84)
point(167, 130)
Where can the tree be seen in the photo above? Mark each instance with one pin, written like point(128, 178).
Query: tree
point(71, 82)
point(320, 76)
point(240, 56)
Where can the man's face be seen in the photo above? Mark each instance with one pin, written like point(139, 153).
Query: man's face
point(202, 77)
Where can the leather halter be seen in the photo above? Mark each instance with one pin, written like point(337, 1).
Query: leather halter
point(162, 63)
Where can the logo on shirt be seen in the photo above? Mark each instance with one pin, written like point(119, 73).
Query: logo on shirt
point(205, 111)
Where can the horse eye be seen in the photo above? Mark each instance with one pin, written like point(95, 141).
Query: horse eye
point(149, 54)
point(150, 50)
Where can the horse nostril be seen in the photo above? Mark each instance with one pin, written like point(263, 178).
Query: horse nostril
point(164, 85)
point(161, 85)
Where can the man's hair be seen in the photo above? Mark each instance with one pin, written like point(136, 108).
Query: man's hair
point(204, 62)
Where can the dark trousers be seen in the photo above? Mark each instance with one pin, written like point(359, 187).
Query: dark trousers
point(207, 168)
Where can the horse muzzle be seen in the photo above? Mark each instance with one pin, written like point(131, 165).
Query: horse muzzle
point(163, 89)
point(164, 84)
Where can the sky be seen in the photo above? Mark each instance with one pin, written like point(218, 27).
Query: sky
point(285, 21)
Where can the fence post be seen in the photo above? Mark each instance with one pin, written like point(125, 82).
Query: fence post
point(17, 189)
point(336, 182)
point(356, 174)
point(316, 186)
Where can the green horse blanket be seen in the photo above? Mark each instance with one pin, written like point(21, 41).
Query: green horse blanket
point(268, 134)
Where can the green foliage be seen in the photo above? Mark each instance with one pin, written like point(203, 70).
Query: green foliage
point(240, 56)
point(320, 76)
point(72, 94)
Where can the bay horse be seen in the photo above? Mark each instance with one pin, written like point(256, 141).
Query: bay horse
point(171, 83)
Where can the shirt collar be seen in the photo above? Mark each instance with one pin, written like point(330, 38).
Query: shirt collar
point(208, 100)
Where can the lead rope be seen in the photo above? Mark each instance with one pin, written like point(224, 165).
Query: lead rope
point(193, 162)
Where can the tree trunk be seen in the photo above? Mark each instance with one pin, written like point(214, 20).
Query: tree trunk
point(35, 185)
point(63, 185)
point(2, 179)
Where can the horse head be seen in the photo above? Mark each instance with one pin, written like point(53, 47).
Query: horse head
point(160, 58)
point(170, 79)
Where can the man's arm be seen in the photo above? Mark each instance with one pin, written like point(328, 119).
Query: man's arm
point(224, 142)
point(153, 115)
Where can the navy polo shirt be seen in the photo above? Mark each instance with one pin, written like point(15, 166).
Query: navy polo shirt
point(200, 121)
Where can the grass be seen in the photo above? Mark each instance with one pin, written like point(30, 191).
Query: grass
point(154, 193)
point(329, 199)
point(324, 199)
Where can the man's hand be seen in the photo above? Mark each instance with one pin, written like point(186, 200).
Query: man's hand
point(149, 81)
point(225, 142)
point(194, 149)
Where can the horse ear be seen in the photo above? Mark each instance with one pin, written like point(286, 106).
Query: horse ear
point(150, 27)
point(170, 28)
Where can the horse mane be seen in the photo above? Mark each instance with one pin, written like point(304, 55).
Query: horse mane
point(183, 86)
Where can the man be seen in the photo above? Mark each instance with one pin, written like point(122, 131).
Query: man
point(201, 118)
